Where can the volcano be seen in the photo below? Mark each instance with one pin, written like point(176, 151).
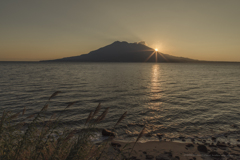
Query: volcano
point(124, 52)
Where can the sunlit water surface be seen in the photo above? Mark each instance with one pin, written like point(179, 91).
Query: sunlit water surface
point(200, 100)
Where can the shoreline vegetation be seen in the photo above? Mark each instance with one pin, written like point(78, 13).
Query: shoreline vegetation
point(40, 139)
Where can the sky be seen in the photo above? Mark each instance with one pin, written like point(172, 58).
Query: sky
point(51, 29)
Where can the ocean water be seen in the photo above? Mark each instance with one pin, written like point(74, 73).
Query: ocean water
point(173, 99)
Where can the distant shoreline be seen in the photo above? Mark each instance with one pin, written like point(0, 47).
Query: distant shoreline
point(112, 62)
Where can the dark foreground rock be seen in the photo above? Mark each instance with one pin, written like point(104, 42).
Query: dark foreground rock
point(202, 148)
point(106, 132)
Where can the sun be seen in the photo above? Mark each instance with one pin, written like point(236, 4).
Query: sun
point(156, 49)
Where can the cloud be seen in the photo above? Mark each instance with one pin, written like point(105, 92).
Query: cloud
point(142, 42)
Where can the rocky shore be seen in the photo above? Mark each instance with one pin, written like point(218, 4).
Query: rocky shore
point(169, 150)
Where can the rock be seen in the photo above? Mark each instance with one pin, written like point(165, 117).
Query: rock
point(202, 148)
point(177, 157)
point(222, 146)
point(168, 153)
point(231, 146)
point(133, 158)
point(144, 152)
point(149, 156)
point(106, 132)
point(148, 135)
point(238, 140)
point(181, 137)
point(234, 125)
point(234, 154)
point(225, 153)
point(212, 145)
point(215, 154)
point(189, 145)
point(160, 135)
point(98, 143)
point(116, 144)
point(183, 140)
point(214, 139)
point(162, 157)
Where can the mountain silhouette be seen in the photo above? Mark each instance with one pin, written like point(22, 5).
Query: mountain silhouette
point(124, 52)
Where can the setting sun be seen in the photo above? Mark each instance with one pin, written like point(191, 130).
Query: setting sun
point(156, 49)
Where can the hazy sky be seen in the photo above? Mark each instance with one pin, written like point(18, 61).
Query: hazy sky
point(51, 29)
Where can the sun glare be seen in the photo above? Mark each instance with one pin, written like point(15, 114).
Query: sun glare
point(156, 49)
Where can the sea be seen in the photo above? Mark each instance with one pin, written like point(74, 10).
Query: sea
point(190, 100)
